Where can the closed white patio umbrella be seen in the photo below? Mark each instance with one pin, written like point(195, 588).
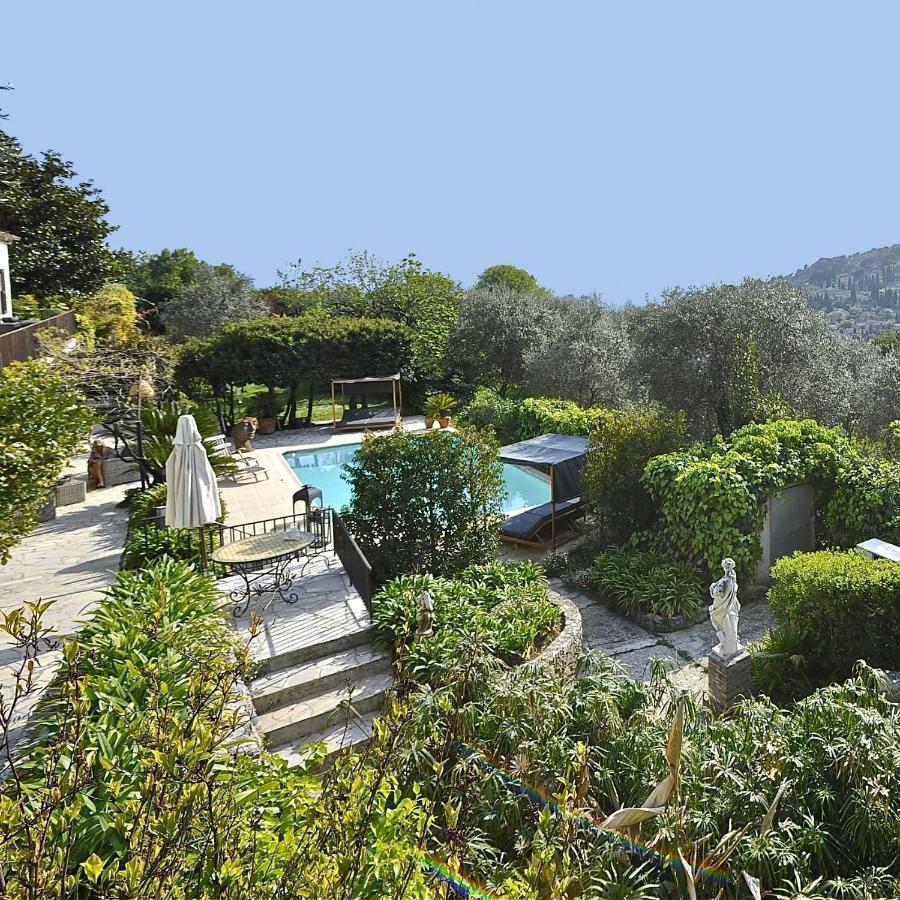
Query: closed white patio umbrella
point(192, 498)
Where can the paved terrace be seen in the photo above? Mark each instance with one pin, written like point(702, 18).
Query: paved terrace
point(73, 558)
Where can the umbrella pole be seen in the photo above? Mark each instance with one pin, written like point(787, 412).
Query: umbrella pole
point(203, 562)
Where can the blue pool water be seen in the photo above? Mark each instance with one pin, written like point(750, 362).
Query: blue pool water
point(324, 469)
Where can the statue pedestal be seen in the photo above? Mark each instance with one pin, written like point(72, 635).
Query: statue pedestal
point(729, 679)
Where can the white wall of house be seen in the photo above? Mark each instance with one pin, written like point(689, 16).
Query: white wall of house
point(5, 289)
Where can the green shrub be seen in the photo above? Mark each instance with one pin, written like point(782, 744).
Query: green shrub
point(640, 580)
point(838, 607)
point(147, 544)
point(425, 502)
point(502, 609)
point(519, 420)
point(864, 503)
point(710, 496)
point(43, 420)
point(136, 787)
point(621, 446)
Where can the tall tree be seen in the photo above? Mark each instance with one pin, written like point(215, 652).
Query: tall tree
point(156, 278)
point(61, 223)
point(204, 307)
point(511, 278)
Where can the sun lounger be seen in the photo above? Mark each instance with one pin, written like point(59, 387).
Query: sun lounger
point(533, 527)
point(377, 417)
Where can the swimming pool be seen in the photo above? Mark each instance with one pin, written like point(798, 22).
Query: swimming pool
point(324, 469)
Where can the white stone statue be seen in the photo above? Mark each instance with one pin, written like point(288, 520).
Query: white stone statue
point(424, 615)
point(725, 610)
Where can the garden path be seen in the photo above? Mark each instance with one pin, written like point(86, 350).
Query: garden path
point(636, 649)
point(69, 560)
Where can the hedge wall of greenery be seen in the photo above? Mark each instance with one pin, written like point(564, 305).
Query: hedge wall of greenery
point(280, 352)
point(838, 607)
point(709, 496)
point(43, 420)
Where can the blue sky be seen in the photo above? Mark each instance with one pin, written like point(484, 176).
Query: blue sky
point(618, 148)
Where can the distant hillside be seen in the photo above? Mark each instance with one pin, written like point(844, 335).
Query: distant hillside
point(859, 293)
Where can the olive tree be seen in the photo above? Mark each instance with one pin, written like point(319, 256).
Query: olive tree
point(727, 353)
point(581, 352)
point(204, 306)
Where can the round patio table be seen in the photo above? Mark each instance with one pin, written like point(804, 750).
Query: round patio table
point(263, 561)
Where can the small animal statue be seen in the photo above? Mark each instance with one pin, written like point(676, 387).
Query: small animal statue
point(424, 615)
point(242, 433)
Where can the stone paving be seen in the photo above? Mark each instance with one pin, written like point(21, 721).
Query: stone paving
point(68, 560)
point(636, 649)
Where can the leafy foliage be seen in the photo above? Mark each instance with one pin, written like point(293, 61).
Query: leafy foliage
point(43, 420)
point(838, 607)
point(425, 503)
point(109, 315)
point(61, 224)
point(281, 352)
point(729, 353)
point(139, 786)
point(503, 608)
point(643, 581)
point(205, 305)
point(512, 278)
point(621, 446)
point(157, 278)
point(709, 497)
point(519, 420)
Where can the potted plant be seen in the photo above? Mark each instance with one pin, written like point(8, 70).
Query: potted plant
point(265, 410)
point(438, 406)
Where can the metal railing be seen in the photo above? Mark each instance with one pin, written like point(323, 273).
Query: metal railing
point(148, 542)
point(20, 344)
point(358, 568)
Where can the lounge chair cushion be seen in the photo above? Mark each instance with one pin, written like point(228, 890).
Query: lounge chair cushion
point(527, 524)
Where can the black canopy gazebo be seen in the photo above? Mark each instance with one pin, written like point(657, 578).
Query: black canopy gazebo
point(561, 456)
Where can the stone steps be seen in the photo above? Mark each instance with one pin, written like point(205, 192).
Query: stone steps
point(323, 708)
point(298, 681)
point(312, 656)
point(336, 737)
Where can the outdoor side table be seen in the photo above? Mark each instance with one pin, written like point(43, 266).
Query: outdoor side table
point(262, 561)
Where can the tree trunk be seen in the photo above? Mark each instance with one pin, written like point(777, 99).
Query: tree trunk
point(290, 414)
point(309, 404)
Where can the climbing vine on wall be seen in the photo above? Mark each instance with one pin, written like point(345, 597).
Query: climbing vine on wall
point(710, 497)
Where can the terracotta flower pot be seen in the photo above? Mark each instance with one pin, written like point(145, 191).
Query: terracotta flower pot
point(429, 422)
point(267, 424)
point(444, 421)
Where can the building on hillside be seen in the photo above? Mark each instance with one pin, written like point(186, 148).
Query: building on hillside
point(17, 336)
point(6, 313)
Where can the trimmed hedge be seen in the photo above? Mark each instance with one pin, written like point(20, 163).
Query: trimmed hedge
point(519, 420)
point(837, 608)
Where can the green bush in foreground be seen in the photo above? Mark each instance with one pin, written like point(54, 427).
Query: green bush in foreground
point(837, 608)
point(137, 788)
point(504, 609)
point(42, 422)
point(425, 502)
